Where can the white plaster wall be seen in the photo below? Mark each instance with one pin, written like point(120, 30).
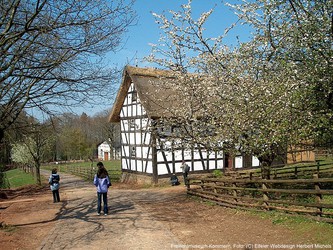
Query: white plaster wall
point(123, 163)
point(159, 157)
point(139, 166)
point(132, 111)
point(197, 165)
point(255, 162)
point(162, 169)
point(145, 151)
point(238, 162)
point(102, 148)
point(124, 125)
point(132, 165)
point(138, 138)
point(178, 155)
point(177, 167)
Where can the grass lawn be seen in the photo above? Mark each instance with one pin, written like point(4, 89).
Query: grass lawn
point(18, 178)
point(88, 169)
point(321, 231)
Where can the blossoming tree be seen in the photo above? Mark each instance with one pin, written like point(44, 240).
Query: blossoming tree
point(262, 96)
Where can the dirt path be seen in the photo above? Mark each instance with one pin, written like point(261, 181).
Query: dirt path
point(156, 218)
point(127, 226)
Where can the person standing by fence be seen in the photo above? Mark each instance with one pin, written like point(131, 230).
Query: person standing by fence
point(54, 185)
point(185, 168)
point(102, 183)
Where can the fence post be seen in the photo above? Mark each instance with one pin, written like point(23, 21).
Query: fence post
point(318, 196)
point(264, 195)
point(318, 167)
point(91, 177)
point(202, 183)
point(187, 183)
point(32, 170)
point(234, 191)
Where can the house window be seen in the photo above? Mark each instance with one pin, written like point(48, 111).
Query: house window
point(134, 96)
point(132, 124)
point(164, 131)
point(176, 131)
point(133, 152)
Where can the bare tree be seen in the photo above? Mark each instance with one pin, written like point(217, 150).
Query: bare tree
point(51, 52)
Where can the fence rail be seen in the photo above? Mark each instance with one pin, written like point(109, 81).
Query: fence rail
point(27, 168)
point(88, 173)
point(327, 152)
point(312, 197)
point(294, 172)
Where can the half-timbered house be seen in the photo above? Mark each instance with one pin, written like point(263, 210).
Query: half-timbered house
point(148, 150)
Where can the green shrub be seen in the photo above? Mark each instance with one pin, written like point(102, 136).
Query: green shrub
point(217, 173)
point(3, 179)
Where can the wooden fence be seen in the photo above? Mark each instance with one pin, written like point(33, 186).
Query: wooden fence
point(290, 172)
point(88, 173)
point(27, 168)
point(324, 152)
point(313, 197)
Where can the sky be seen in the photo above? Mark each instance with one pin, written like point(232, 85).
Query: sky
point(136, 41)
point(146, 31)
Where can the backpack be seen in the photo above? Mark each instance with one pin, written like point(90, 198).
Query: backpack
point(54, 179)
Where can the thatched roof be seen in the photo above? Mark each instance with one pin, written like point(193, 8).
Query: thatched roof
point(151, 84)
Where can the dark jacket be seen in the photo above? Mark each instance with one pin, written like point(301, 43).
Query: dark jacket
point(54, 182)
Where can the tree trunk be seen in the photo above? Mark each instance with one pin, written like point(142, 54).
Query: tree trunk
point(265, 165)
point(2, 135)
point(37, 166)
point(265, 170)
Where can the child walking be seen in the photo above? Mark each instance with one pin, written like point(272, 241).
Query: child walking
point(54, 185)
point(102, 183)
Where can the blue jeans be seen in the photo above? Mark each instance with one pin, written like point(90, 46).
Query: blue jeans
point(103, 196)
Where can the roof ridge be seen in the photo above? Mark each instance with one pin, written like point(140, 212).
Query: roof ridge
point(149, 71)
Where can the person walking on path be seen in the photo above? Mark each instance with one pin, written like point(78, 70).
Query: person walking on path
point(54, 185)
point(185, 168)
point(102, 183)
